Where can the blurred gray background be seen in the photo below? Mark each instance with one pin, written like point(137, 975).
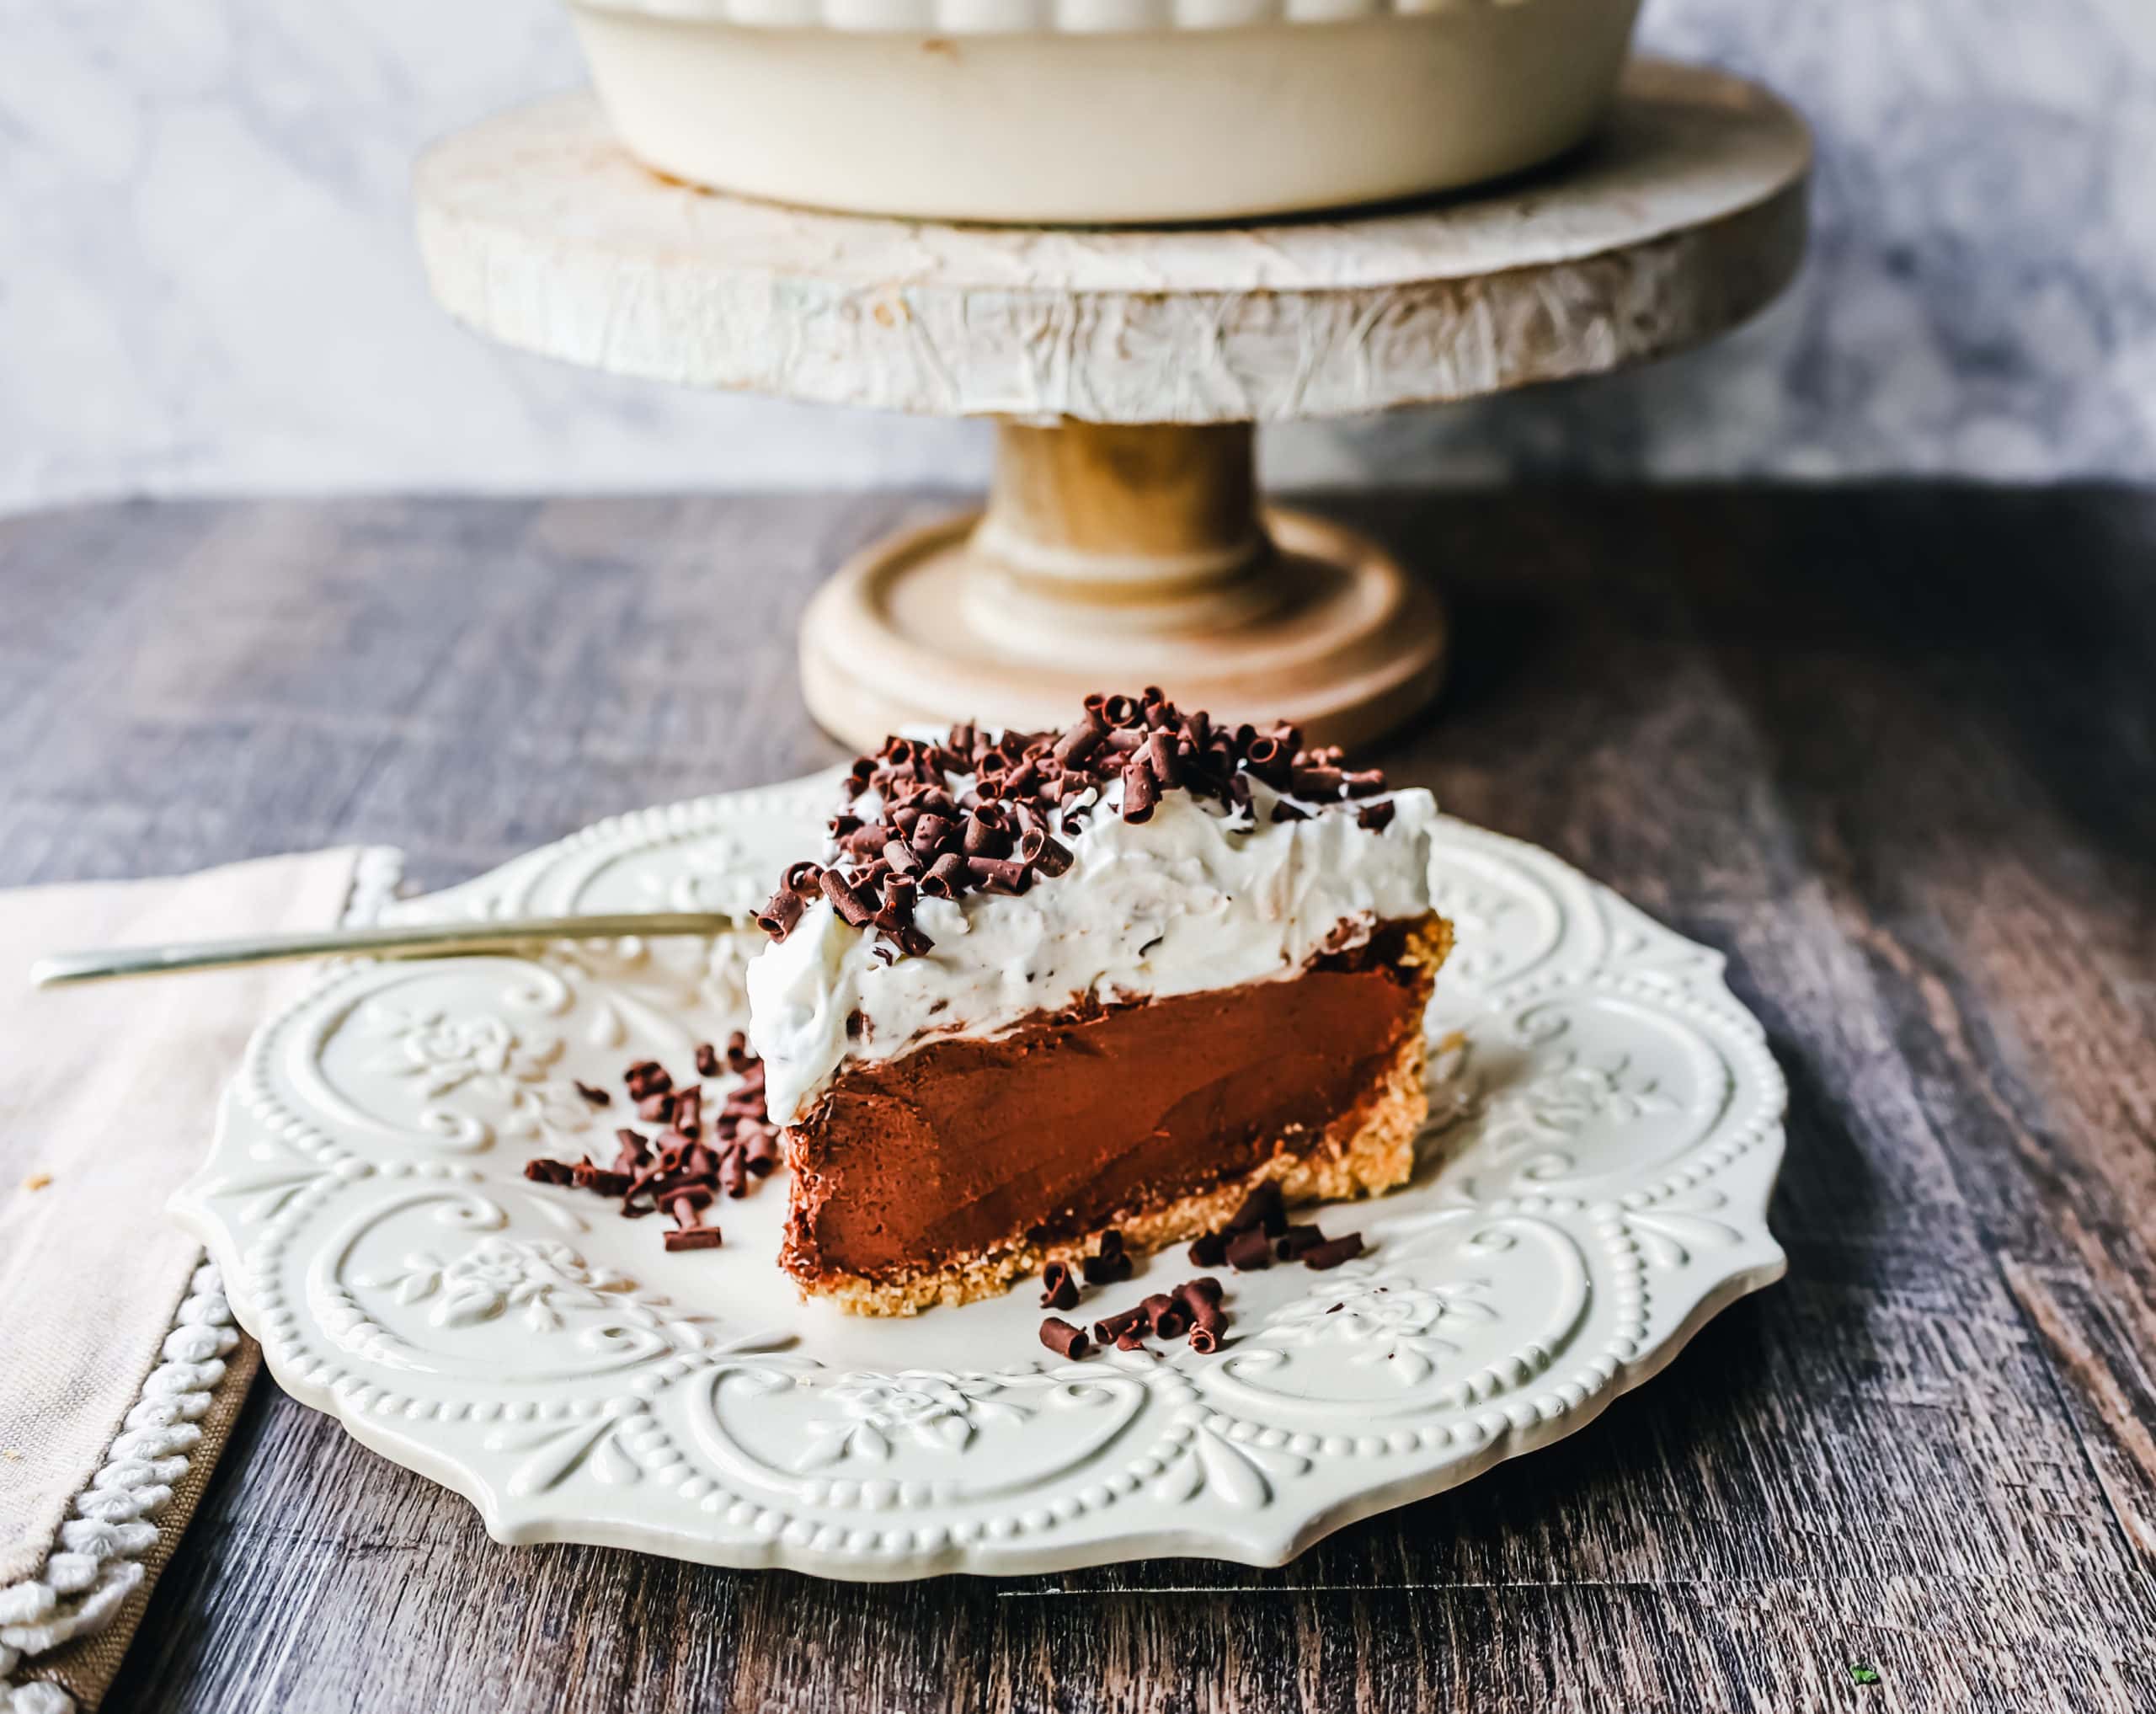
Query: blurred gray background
point(208, 281)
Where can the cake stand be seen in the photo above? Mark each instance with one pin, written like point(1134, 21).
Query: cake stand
point(1123, 541)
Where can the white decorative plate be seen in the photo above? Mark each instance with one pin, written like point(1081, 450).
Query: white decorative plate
point(1595, 1190)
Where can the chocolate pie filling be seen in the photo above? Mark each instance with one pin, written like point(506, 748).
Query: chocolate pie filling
point(1058, 1127)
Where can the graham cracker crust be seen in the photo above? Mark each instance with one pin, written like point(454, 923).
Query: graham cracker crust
point(1366, 1150)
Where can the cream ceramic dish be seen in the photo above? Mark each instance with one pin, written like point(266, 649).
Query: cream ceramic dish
point(1099, 111)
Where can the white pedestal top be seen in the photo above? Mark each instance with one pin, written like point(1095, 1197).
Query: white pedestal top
point(1685, 216)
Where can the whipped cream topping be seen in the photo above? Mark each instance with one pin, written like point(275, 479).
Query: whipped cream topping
point(1194, 898)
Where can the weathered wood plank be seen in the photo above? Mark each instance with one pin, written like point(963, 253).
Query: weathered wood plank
point(1894, 750)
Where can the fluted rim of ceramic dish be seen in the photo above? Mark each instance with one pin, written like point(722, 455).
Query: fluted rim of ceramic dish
point(916, 18)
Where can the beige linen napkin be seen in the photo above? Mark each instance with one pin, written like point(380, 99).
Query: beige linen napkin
point(111, 1330)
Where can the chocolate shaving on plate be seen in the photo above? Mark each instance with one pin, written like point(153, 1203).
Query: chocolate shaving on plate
point(1064, 1339)
point(1058, 1290)
point(1166, 1318)
point(1335, 1251)
point(1294, 1241)
point(1249, 1250)
point(688, 1166)
point(1264, 1207)
point(1111, 1265)
point(1109, 1329)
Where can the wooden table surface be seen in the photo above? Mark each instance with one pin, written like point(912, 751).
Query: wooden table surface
point(1893, 750)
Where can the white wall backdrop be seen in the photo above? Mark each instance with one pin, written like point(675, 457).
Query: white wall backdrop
point(208, 284)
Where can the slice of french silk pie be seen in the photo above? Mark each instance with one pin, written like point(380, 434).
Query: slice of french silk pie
point(1115, 977)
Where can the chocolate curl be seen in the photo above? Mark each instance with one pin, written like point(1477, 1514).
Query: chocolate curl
point(1204, 1312)
point(988, 833)
point(707, 1061)
point(543, 1170)
point(1118, 711)
point(911, 942)
point(1081, 738)
point(1064, 1339)
point(739, 1061)
point(947, 876)
point(1364, 784)
point(1039, 850)
point(999, 874)
point(1263, 1207)
point(673, 1151)
point(779, 916)
point(1203, 1289)
point(902, 857)
point(1205, 1340)
point(733, 1173)
point(1285, 811)
point(898, 894)
point(685, 1208)
point(805, 880)
point(848, 903)
point(632, 1156)
point(1141, 791)
point(1316, 782)
point(1058, 1290)
point(1131, 1339)
point(1109, 1267)
point(760, 1153)
point(645, 1079)
point(1344, 1248)
point(597, 1098)
point(1296, 1240)
point(1249, 1250)
point(689, 1111)
point(657, 1109)
point(1166, 1317)
point(1376, 817)
point(1269, 760)
point(1110, 1329)
point(1160, 756)
point(1210, 1251)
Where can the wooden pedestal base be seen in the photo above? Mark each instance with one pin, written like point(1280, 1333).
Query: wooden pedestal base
point(1111, 558)
point(1119, 553)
